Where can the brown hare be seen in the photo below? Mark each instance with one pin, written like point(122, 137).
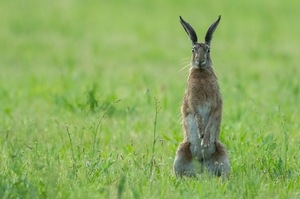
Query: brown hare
point(201, 112)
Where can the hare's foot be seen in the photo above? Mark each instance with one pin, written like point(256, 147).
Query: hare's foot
point(219, 164)
point(183, 160)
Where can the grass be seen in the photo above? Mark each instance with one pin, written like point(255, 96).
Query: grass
point(91, 91)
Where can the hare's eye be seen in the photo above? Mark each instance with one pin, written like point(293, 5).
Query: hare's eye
point(208, 50)
point(193, 50)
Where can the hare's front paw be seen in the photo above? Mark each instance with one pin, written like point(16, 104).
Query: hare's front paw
point(200, 133)
point(205, 142)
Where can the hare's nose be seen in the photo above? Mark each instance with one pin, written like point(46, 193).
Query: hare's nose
point(202, 63)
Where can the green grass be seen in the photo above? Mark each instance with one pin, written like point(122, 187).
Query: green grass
point(90, 95)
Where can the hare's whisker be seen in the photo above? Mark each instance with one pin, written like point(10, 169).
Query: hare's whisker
point(184, 67)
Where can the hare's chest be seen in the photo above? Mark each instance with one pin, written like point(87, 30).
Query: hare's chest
point(204, 110)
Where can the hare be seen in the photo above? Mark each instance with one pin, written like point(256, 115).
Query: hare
point(201, 112)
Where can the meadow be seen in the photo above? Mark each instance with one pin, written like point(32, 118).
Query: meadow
point(90, 96)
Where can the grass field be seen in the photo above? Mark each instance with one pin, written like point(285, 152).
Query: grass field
point(90, 95)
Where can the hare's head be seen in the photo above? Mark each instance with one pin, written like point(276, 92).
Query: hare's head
point(201, 51)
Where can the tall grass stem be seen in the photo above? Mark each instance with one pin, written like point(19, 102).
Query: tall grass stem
point(157, 109)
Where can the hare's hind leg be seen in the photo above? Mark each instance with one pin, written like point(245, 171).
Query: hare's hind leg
point(219, 164)
point(183, 165)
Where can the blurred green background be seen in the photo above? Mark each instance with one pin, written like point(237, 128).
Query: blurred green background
point(63, 63)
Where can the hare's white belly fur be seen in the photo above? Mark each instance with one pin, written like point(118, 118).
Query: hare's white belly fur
point(196, 149)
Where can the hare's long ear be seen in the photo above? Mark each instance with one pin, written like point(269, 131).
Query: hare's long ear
point(189, 30)
point(211, 30)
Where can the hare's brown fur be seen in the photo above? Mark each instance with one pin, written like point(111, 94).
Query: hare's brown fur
point(201, 114)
